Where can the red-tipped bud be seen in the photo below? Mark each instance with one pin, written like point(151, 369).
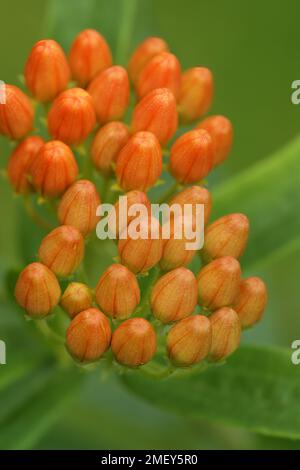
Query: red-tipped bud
point(20, 162)
point(47, 71)
point(226, 333)
point(175, 253)
point(194, 195)
point(88, 335)
point(174, 296)
point(54, 169)
point(72, 116)
point(62, 250)
point(220, 129)
point(132, 197)
point(76, 298)
point(251, 301)
point(78, 206)
point(139, 164)
point(134, 342)
point(89, 55)
point(143, 54)
point(196, 93)
point(37, 290)
point(16, 114)
point(189, 341)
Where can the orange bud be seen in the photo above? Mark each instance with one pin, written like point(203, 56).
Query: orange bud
point(156, 113)
point(194, 195)
point(139, 164)
point(191, 157)
point(174, 296)
point(175, 253)
point(220, 129)
point(162, 71)
point(62, 250)
point(251, 301)
point(118, 292)
point(189, 340)
point(196, 93)
point(37, 290)
point(78, 206)
point(54, 169)
point(110, 93)
point(88, 335)
point(218, 282)
point(133, 197)
point(16, 114)
point(107, 144)
point(143, 54)
point(47, 71)
point(134, 342)
point(20, 162)
point(76, 298)
point(89, 55)
point(226, 333)
point(72, 116)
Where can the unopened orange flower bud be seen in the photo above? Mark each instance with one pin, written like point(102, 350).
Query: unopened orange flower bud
point(175, 253)
point(110, 93)
point(139, 164)
point(16, 114)
point(88, 335)
point(78, 206)
point(89, 55)
point(37, 290)
point(62, 250)
point(191, 157)
point(194, 195)
point(226, 333)
point(132, 197)
point(143, 54)
point(189, 341)
point(162, 71)
point(76, 298)
point(20, 162)
point(220, 129)
point(174, 296)
point(251, 301)
point(196, 93)
point(72, 116)
point(47, 71)
point(156, 113)
point(54, 169)
point(118, 292)
point(134, 342)
point(218, 283)
point(107, 144)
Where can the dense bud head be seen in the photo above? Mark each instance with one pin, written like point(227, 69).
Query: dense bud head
point(143, 54)
point(78, 206)
point(88, 335)
point(218, 283)
point(175, 254)
point(132, 197)
point(72, 116)
point(110, 93)
point(118, 292)
point(47, 71)
point(226, 333)
point(76, 298)
point(189, 341)
point(16, 114)
point(107, 144)
point(20, 162)
point(194, 195)
point(37, 290)
point(174, 295)
point(196, 93)
point(62, 250)
point(156, 113)
point(89, 55)
point(134, 342)
point(139, 164)
point(251, 301)
point(220, 129)
point(54, 169)
point(191, 157)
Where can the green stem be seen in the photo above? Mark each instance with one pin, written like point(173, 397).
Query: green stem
point(34, 215)
point(145, 301)
point(43, 326)
point(129, 8)
point(169, 192)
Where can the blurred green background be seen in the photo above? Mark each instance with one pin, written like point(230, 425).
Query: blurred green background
point(252, 48)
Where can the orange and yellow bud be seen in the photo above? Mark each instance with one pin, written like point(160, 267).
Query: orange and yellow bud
point(175, 253)
point(37, 290)
point(89, 55)
point(143, 54)
point(47, 71)
point(134, 342)
point(226, 333)
point(196, 93)
point(221, 132)
point(76, 298)
point(16, 114)
point(189, 341)
point(62, 250)
point(133, 197)
point(194, 195)
point(251, 301)
point(88, 335)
